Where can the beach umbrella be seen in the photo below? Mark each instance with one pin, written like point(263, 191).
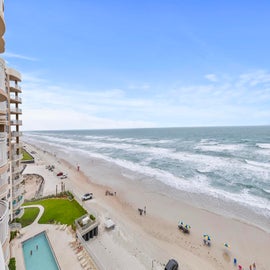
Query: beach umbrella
point(187, 226)
point(207, 237)
point(226, 245)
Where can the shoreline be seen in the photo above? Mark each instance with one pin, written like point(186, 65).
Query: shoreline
point(163, 214)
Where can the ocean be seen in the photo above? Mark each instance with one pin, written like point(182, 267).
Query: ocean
point(227, 168)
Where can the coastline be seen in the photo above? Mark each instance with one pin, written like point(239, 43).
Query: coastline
point(159, 227)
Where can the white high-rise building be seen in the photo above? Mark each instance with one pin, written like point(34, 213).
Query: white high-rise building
point(11, 191)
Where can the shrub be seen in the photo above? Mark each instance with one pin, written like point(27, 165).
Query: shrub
point(13, 235)
point(92, 217)
point(12, 264)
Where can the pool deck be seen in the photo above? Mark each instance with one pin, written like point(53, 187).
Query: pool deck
point(59, 239)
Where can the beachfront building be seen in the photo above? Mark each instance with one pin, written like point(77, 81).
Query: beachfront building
point(87, 227)
point(11, 192)
point(13, 78)
point(4, 181)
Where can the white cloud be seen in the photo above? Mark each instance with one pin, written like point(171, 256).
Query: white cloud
point(211, 77)
point(229, 101)
point(19, 56)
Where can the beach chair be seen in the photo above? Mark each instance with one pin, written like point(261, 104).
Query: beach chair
point(63, 227)
point(84, 263)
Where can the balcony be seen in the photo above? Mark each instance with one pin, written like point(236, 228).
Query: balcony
point(17, 169)
point(15, 111)
point(18, 213)
point(3, 108)
point(16, 133)
point(4, 186)
point(16, 157)
point(17, 203)
point(3, 120)
point(16, 122)
point(17, 180)
point(16, 145)
point(4, 217)
point(14, 75)
point(17, 191)
point(3, 136)
point(14, 99)
point(3, 92)
point(15, 88)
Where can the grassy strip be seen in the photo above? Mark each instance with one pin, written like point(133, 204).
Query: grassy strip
point(26, 156)
point(29, 216)
point(59, 210)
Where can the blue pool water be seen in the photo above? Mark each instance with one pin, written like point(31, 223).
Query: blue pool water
point(38, 254)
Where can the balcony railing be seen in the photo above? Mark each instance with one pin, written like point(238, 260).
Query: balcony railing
point(4, 186)
point(18, 213)
point(3, 120)
point(17, 180)
point(16, 169)
point(17, 191)
point(15, 99)
point(3, 136)
point(16, 122)
point(15, 110)
point(14, 75)
point(16, 133)
point(17, 157)
point(16, 145)
point(18, 202)
point(15, 88)
point(4, 217)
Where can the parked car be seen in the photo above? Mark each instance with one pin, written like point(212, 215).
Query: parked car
point(171, 265)
point(87, 196)
point(59, 174)
point(64, 176)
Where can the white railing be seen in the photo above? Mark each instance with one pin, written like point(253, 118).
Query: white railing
point(2, 73)
point(16, 133)
point(3, 106)
point(16, 87)
point(15, 110)
point(3, 136)
point(4, 230)
point(17, 192)
point(16, 99)
point(17, 157)
point(16, 145)
point(3, 178)
point(3, 151)
point(16, 122)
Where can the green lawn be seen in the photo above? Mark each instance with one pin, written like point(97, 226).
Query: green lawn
point(29, 216)
point(59, 210)
point(26, 156)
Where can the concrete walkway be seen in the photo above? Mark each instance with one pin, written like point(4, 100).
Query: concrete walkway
point(41, 211)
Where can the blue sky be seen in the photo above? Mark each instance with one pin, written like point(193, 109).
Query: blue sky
point(127, 64)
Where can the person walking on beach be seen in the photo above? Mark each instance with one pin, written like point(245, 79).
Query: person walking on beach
point(144, 211)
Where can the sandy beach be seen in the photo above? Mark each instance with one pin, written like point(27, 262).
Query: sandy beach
point(148, 241)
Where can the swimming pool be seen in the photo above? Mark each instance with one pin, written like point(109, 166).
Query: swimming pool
point(38, 254)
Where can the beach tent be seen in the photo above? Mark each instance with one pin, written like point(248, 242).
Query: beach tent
point(109, 224)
